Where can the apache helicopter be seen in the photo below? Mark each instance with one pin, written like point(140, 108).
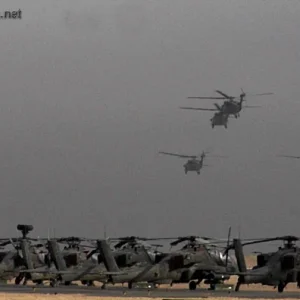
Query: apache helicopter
point(212, 256)
point(56, 269)
point(195, 163)
point(179, 266)
point(16, 261)
point(74, 252)
point(10, 263)
point(230, 105)
point(37, 257)
point(129, 251)
point(275, 269)
point(212, 266)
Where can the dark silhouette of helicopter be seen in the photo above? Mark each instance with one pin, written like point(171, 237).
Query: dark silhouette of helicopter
point(213, 265)
point(229, 107)
point(195, 163)
point(25, 255)
point(275, 269)
point(131, 250)
point(219, 119)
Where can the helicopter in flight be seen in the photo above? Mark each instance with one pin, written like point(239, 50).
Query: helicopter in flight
point(219, 119)
point(195, 163)
point(274, 269)
point(230, 106)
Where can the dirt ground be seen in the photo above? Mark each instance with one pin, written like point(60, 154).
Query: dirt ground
point(79, 297)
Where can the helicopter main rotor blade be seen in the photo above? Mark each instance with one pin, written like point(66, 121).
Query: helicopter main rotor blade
point(262, 94)
point(217, 98)
point(289, 156)
point(224, 95)
point(251, 106)
point(196, 108)
point(177, 155)
point(219, 108)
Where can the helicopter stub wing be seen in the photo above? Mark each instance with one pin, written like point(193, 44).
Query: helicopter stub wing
point(178, 155)
point(198, 108)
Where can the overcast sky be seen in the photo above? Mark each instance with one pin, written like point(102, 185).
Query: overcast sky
point(90, 92)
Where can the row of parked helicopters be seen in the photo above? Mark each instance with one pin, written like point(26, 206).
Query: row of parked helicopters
point(134, 260)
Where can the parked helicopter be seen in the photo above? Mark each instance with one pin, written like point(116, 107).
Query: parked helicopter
point(130, 250)
point(186, 265)
point(212, 255)
point(275, 269)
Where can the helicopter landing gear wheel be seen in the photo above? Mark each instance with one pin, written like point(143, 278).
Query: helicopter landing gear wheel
point(212, 287)
point(281, 287)
point(225, 126)
point(103, 286)
point(130, 285)
point(192, 285)
point(185, 171)
point(198, 172)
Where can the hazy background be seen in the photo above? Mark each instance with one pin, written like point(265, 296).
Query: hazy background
point(90, 92)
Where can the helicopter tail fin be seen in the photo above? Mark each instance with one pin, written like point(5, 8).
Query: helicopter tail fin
point(107, 255)
point(56, 255)
point(26, 254)
point(239, 253)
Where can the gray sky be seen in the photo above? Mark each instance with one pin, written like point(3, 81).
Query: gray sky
point(90, 92)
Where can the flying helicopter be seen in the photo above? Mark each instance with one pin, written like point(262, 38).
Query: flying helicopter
point(274, 269)
point(219, 119)
point(195, 163)
point(230, 106)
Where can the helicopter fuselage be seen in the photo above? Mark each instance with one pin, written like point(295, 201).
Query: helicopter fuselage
point(219, 119)
point(193, 165)
point(231, 107)
point(281, 268)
